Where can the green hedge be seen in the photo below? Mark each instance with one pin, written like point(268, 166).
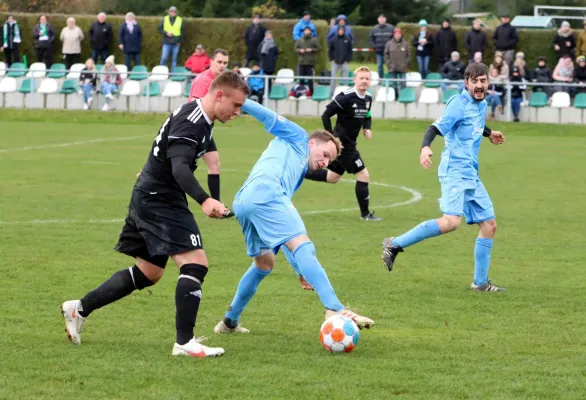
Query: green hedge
point(213, 33)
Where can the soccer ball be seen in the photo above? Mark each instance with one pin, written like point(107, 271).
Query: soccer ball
point(339, 334)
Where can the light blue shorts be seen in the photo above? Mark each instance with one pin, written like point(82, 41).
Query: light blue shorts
point(267, 216)
point(466, 197)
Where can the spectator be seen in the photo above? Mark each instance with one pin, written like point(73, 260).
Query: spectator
point(505, 39)
point(236, 68)
point(88, 82)
point(517, 92)
point(424, 44)
point(564, 73)
point(478, 57)
point(397, 58)
point(580, 74)
point(100, 35)
point(110, 81)
point(564, 42)
point(378, 38)
point(71, 36)
point(198, 61)
point(256, 85)
point(495, 93)
point(520, 63)
point(306, 47)
point(581, 46)
point(11, 40)
point(253, 36)
point(299, 91)
point(475, 41)
point(268, 54)
point(341, 20)
point(340, 54)
point(501, 66)
point(172, 29)
point(44, 35)
point(446, 42)
point(542, 74)
point(453, 72)
point(304, 23)
point(130, 40)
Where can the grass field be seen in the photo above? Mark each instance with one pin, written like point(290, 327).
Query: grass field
point(65, 182)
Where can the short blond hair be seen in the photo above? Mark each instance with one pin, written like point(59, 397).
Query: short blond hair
point(362, 69)
point(324, 136)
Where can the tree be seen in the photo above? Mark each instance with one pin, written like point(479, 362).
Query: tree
point(402, 11)
point(268, 10)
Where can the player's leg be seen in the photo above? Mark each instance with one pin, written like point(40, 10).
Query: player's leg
point(304, 284)
point(357, 167)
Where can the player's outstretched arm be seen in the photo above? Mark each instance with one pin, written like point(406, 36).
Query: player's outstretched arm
point(274, 124)
point(495, 137)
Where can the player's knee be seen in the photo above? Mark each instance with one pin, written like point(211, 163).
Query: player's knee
point(489, 227)
point(265, 262)
point(363, 176)
point(145, 273)
point(191, 257)
point(294, 243)
point(449, 223)
point(194, 271)
point(214, 167)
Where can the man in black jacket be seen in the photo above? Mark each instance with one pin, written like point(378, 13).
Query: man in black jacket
point(505, 39)
point(255, 33)
point(475, 41)
point(44, 35)
point(446, 42)
point(340, 54)
point(378, 38)
point(268, 54)
point(100, 34)
point(453, 72)
point(542, 74)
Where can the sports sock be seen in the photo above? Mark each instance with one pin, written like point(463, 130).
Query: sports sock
point(313, 272)
point(482, 260)
point(119, 285)
point(214, 186)
point(363, 197)
point(291, 260)
point(421, 232)
point(187, 299)
point(320, 175)
point(246, 289)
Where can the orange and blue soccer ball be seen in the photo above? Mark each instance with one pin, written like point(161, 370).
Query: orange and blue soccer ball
point(339, 334)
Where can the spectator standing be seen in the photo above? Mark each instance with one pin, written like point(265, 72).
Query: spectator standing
point(71, 36)
point(453, 72)
point(305, 22)
point(580, 74)
point(475, 41)
point(520, 63)
point(172, 29)
point(564, 73)
point(256, 84)
point(254, 34)
point(517, 92)
point(130, 40)
point(100, 35)
point(88, 82)
point(542, 74)
point(423, 44)
point(341, 20)
point(378, 38)
point(198, 61)
point(306, 48)
point(44, 35)
point(397, 58)
point(506, 38)
point(110, 81)
point(268, 54)
point(581, 45)
point(10, 40)
point(564, 42)
point(340, 54)
point(446, 42)
point(501, 66)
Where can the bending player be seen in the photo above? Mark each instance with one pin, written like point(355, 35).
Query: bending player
point(353, 110)
point(270, 221)
point(462, 126)
point(159, 224)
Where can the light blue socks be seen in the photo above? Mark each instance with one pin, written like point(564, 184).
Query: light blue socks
point(291, 260)
point(421, 232)
point(246, 289)
point(482, 260)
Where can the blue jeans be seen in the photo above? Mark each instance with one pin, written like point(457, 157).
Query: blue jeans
point(380, 62)
point(131, 57)
point(398, 85)
point(516, 105)
point(108, 88)
point(170, 49)
point(494, 100)
point(100, 53)
point(446, 83)
point(423, 63)
point(87, 91)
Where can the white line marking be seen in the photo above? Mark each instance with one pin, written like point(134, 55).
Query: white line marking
point(50, 146)
point(99, 162)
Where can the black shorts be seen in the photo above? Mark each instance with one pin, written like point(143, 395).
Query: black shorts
point(349, 161)
point(212, 146)
point(157, 227)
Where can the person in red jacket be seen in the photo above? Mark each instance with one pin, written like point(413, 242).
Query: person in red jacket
point(199, 60)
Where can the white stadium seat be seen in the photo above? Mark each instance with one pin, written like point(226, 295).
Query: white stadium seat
point(75, 71)
point(37, 70)
point(48, 86)
point(385, 95)
point(2, 68)
point(172, 89)
point(429, 96)
point(560, 100)
point(374, 78)
point(340, 89)
point(123, 70)
point(285, 77)
point(160, 73)
point(8, 85)
point(130, 88)
point(413, 76)
point(245, 71)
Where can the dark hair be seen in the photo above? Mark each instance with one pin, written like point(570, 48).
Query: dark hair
point(219, 51)
point(232, 80)
point(382, 15)
point(475, 70)
point(325, 136)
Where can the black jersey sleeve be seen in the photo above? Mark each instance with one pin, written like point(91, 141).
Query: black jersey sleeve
point(332, 109)
point(186, 180)
point(184, 136)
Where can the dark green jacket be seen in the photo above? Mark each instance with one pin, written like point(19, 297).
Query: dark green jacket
point(307, 58)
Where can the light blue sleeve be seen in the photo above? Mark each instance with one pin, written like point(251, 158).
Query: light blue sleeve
point(452, 114)
point(275, 124)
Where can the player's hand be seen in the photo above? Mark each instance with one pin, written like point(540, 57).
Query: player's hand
point(496, 137)
point(425, 157)
point(213, 208)
point(367, 134)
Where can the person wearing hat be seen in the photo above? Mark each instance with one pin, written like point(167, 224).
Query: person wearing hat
point(255, 33)
point(378, 38)
point(517, 91)
point(564, 42)
point(306, 48)
point(506, 38)
point(198, 61)
point(423, 44)
point(475, 41)
point(453, 72)
point(172, 29)
point(130, 40)
point(397, 58)
point(111, 79)
point(542, 74)
point(11, 40)
point(304, 22)
point(520, 63)
point(581, 45)
point(446, 42)
point(580, 74)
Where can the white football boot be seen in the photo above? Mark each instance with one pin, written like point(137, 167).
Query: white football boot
point(73, 321)
point(194, 348)
point(361, 322)
point(222, 328)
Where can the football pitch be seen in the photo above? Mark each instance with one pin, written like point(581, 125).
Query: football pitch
point(65, 183)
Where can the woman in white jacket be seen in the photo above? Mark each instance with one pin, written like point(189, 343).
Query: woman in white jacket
point(71, 36)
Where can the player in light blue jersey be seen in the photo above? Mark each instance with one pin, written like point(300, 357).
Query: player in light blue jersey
point(270, 221)
point(463, 126)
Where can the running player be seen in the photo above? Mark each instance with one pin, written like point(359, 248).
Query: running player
point(159, 224)
point(270, 221)
point(462, 126)
point(353, 110)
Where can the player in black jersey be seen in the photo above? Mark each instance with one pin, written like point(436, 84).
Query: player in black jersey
point(353, 110)
point(159, 224)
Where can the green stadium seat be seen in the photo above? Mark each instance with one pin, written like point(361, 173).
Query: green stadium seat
point(99, 67)
point(538, 99)
point(16, 74)
point(348, 82)
point(187, 89)
point(153, 88)
point(28, 86)
point(321, 93)
point(138, 73)
point(433, 76)
point(179, 78)
point(407, 95)
point(278, 92)
point(57, 71)
point(449, 93)
point(69, 86)
point(580, 100)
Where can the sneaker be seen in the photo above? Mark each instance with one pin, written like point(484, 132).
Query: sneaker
point(487, 287)
point(195, 349)
point(109, 96)
point(73, 321)
point(86, 106)
point(370, 217)
point(304, 284)
point(229, 214)
point(390, 252)
point(516, 119)
point(221, 327)
point(362, 322)
point(106, 107)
